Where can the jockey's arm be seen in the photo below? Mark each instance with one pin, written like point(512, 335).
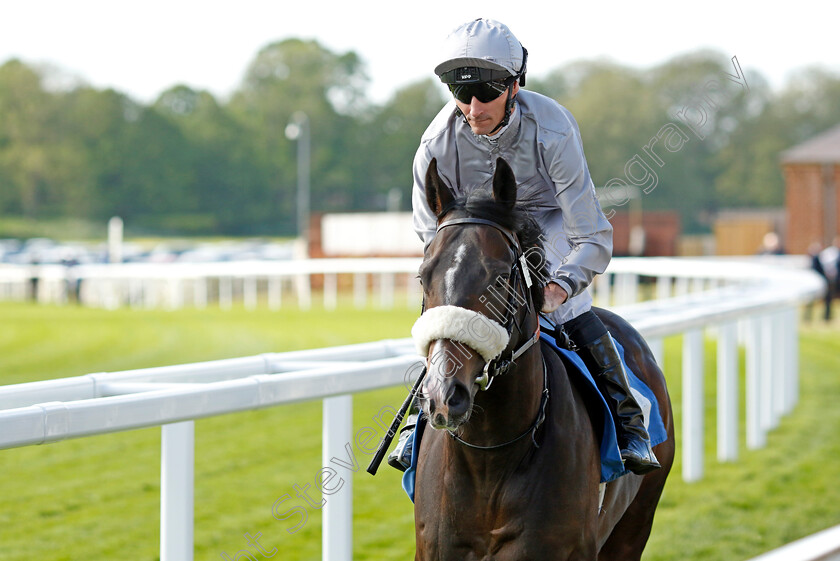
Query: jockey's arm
point(425, 222)
point(578, 237)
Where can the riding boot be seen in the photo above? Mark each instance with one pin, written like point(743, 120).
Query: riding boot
point(633, 438)
point(400, 457)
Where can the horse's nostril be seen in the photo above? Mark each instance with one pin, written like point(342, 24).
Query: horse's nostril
point(458, 401)
point(432, 406)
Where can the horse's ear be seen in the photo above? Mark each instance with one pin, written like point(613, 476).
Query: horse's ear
point(504, 184)
point(438, 194)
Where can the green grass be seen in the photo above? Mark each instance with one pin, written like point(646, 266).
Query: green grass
point(56, 228)
point(80, 229)
point(98, 498)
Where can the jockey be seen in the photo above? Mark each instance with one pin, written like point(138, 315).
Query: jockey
point(490, 116)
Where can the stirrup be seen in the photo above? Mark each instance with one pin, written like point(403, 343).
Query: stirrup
point(400, 458)
point(638, 457)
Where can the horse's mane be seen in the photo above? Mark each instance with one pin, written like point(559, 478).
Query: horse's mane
point(520, 220)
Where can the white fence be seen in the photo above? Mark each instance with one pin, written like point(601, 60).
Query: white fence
point(754, 304)
point(822, 546)
point(176, 285)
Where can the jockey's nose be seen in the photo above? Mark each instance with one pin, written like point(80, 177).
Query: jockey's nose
point(476, 107)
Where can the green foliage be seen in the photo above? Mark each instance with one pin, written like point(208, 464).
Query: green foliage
point(751, 173)
point(97, 498)
point(390, 141)
point(226, 166)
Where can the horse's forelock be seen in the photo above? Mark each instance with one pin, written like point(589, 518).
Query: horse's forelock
point(520, 220)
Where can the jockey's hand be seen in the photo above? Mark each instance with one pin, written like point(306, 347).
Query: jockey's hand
point(554, 296)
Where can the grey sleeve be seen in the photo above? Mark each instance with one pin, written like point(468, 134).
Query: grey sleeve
point(425, 222)
point(578, 235)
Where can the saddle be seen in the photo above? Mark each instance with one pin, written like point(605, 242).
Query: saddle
point(611, 465)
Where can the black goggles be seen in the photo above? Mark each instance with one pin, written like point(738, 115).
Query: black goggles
point(482, 91)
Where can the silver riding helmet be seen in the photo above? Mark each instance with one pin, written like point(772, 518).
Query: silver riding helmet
point(484, 44)
point(483, 51)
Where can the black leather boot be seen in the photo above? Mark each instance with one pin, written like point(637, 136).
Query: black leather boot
point(602, 358)
point(400, 458)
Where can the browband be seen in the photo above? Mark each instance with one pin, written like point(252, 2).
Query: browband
point(507, 233)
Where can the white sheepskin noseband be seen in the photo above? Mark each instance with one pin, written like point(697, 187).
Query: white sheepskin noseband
point(487, 337)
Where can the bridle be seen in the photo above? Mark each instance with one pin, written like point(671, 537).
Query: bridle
point(519, 282)
point(519, 277)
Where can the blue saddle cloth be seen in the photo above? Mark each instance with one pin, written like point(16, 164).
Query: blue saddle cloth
point(611, 465)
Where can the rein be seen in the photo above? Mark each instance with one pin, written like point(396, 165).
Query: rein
point(532, 429)
point(502, 364)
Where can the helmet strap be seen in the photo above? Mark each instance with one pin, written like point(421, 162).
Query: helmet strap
point(508, 110)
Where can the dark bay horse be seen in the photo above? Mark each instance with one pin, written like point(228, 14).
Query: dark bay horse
point(513, 474)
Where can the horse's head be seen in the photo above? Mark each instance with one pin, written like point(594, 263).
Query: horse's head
point(478, 292)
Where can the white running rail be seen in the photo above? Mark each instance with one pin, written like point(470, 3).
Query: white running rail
point(822, 546)
point(751, 303)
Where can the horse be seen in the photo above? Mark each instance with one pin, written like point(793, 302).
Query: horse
point(511, 472)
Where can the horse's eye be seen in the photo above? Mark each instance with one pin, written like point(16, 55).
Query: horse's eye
point(501, 281)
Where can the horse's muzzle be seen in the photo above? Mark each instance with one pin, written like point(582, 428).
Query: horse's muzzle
point(449, 389)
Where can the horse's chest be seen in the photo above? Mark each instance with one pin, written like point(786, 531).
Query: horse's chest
point(512, 541)
point(465, 542)
point(484, 525)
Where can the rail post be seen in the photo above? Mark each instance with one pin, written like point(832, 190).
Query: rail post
point(177, 477)
point(337, 533)
point(692, 414)
point(727, 392)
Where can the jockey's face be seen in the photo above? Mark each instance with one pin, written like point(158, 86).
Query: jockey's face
point(483, 117)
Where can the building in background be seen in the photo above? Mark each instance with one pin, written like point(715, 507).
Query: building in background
point(650, 234)
point(750, 231)
point(812, 192)
point(364, 234)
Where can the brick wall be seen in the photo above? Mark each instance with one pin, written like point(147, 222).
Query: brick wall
point(662, 231)
point(806, 205)
point(836, 201)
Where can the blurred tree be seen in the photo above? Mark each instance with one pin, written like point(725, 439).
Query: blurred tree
point(616, 111)
point(750, 171)
point(96, 122)
point(154, 173)
point(626, 116)
point(704, 90)
point(388, 143)
point(232, 189)
point(29, 157)
point(554, 85)
point(296, 75)
point(809, 104)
